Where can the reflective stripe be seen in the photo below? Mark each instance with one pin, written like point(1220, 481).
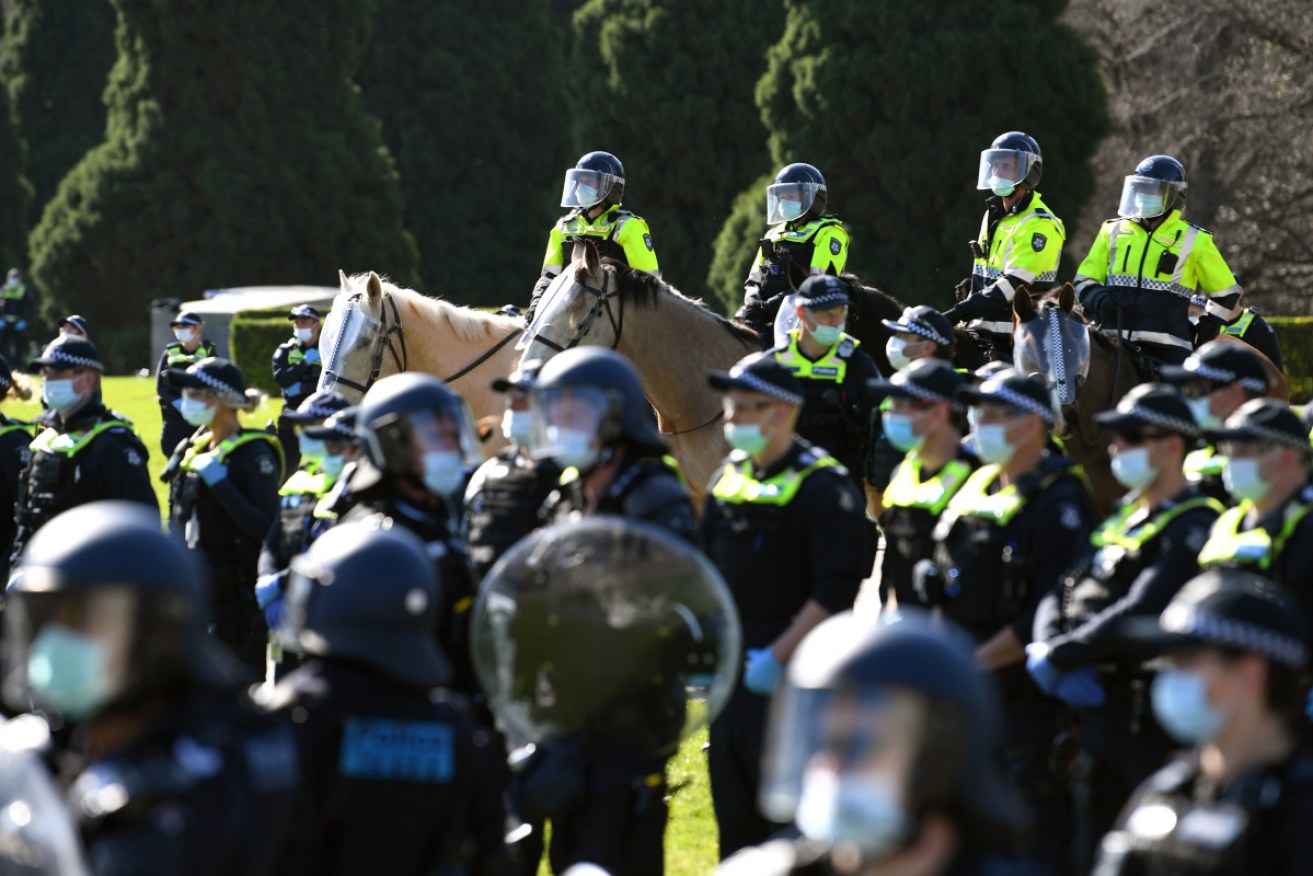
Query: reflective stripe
point(737, 486)
point(1128, 530)
point(907, 490)
point(1241, 325)
point(1227, 544)
point(1183, 254)
point(303, 482)
point(831, 366)
point(69, 443)
point(228, 446)
point(985, 325)
point(1202, 463)
point(1163, 338)
point(974, 500)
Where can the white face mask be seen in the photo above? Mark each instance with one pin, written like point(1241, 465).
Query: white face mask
point(515, 425)
point(1243, 481)
point(59, 395)
point(852, 809)
point(992, 443)
point(1132, 469)
point(1203, 416)
point(573, 447)
point(443, 472)
point(197, 412)
point(893, 348)
point(303, 334)
point(185, 335)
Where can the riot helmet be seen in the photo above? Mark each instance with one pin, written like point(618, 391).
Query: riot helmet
point(1156, 188)
point(585, 402)
point(105, 609)
point(413, 426)
point(1013, 159)
point(798, 191)
point(370, 596)
point(597, 178)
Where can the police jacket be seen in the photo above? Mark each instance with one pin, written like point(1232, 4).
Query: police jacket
point(303, 516)
point(296, 370)
point(203, 792)
point(174, 356)
point(1249, 327)
point(1134, 564)
point(793, 532)
point(838, 407)
point(1152, 275)
point(617, 233)
point(502, 502)
point(395, 779)
point(16, 303)
point(1203, 468)
point(1181, 823)
point(1018, 246)
point(645, 488)
point(818, 245)
point(93, 455)
point(999, 549)
point(15, 438)
point(913, 502)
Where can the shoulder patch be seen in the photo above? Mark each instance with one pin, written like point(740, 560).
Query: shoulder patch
point(836, 246)
point(845, 348)
point(1038, 242)
point(268, 467)
point(1069, 516)
point(647, 241)
point(133, 458)
point(1195, 540)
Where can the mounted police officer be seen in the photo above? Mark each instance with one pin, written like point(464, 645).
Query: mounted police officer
point(86, 452)
point(1216, 380)
point(167, 767)
point(1248, 325)
point(1147, 265)
point(399, 778)
point(1235, 688)
point(1005, 538)
point(1135, 563)
point(589, 415)
point(785, 525)
point(802, 236)
point(924, 421)
point(223, 497)
point(189, 348)
point(296, 371)
point(15, 451)
point(507, 491)
point(1020, 241)
point(594, 192)
point(419, 447)
point(881, 753)
point(15, 311)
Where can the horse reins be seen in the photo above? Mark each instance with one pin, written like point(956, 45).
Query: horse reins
point(485, 357)
point(720, 415)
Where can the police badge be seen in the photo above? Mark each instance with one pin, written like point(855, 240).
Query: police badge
point(1038, 241)
point(647, 239)
point(836, 246)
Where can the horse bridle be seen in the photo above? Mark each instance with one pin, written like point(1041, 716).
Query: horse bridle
point(381, 345)
point(603, 301)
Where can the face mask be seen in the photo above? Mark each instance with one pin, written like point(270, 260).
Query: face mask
point(586, 195)
point(1180, 703)
point(515, 426)
point(574, 447)
point(900, 429)
point(789, 210)
point(197, 412)
point(973, 420)
point(860, 811)
point(1203, 417)
point(59, 395)
point(1194, 320)
point(826, 335)
point(1132, 470)
point(893, 348)
point(67, 671)
point(442, 472)
point(1242, 480)
point(303, 335)
point(1149, 206)
point(747, 437)
point(331, 464)
point(1001, 187)
point(185, 335)
point(992, 443)
point(311, 448)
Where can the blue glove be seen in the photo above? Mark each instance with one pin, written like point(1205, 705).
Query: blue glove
point(211, 470)
point(176, 404)
point(293, 390)
point(763, 672)
point(268, 588)
point(1081, 688)
point(1046, 675)
point(312, 355)
point(20, 325)
point(273, 613)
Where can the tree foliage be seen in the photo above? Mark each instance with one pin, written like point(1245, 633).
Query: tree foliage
point(237, 153)
point(56, 60)
point(15, 192)
point(667, 86)
point(471, 99)
point(894, 101)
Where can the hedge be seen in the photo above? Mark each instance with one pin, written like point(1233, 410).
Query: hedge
point(1295, 334)
point(253, 335)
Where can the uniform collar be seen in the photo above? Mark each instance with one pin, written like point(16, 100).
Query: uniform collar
point(93, 411)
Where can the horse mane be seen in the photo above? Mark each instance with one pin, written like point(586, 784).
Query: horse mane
point(870, 302)
point(646, 290)
point(468, 323)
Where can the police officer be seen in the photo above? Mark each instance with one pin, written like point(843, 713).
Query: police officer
point(167, 766)
point(785, 525)
point(1020, 241)
point(882, 754)
point(924, 421)
point(1000, 545)
point(594, 192)
point(1234, 688)
point(223, 497)
point(507, 491)
point(802, 236)
point(1216, 380)
point(296, 371)
point(75, 325)
point(1135, 563)
point(189, 348)
point(588, 414)
point(86, 452)
point(1248, 325)
point(834, 375)
point(1270, 530)
point(920, 333)
point(419, 447)
point(15, 451)
point(1147, 265)
point(17, 310)
point(399, 778)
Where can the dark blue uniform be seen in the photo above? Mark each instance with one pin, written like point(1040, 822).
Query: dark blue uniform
point(296, 371)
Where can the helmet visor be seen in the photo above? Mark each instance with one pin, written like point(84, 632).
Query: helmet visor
point(448, 428)
point(559, 412)
point(585, 188)
point(1003, 167)
point(787, 201)
point(1144, 197)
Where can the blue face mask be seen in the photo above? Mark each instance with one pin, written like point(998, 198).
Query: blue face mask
point(789, 210)
point(331, 465)
point(443, 472)
point(59, 395)
point(747, 437)
point(66, 671)
point(900, 429)
point(826, 335)
point(1180, 703)
point(1149, 206)
point(573, 448)
point(311, 448)
point(992, 444)
point(1001, 187)
point(516, 426)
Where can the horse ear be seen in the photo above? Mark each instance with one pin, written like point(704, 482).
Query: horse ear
point(797, 274)
point(342, 281)
point(1023, 308)
point(1067, 297)
point(591, 260)
point(374, 288)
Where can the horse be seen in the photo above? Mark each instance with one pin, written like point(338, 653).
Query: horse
point(1088, 371)
point(376, 328)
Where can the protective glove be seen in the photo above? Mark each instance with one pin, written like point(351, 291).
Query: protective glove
point(20, 325)
point(268, 588)
point(211, 470)
point(763, 672)
point(273, 613)
point(312, 355)
point(1046, 675)
point(293, 390)
point(1081, 688)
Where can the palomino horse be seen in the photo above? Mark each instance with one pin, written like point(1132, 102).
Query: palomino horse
point(1088, 371)
point(376, 328)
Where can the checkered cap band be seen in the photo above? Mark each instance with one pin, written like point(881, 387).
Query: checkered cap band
point(909, 322)
point(1220, 375)
point(916, 390)
point(1016, 399)
point(73, 361)
point(817, 301)
point(1259, 431)
point(765, 387)
point(1189, 620)
point(216, 384)
point(1158, 418)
